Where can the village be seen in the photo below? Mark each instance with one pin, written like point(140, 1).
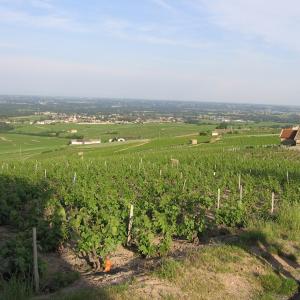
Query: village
point(47, 118)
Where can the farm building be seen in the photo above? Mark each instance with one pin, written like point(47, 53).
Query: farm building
point(85, 142)
point(116, 140)
point(73, 131)
point(194, 142)
point(218, 132)
point(290, 136)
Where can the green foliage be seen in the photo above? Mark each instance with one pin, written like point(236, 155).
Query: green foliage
point(231, 216)
point(289, 219)
point(222, 126)
point(4, 127)
point(16, 257)
point(15, 289)
point(288, 287)
point(276, 284)
point(271, 283)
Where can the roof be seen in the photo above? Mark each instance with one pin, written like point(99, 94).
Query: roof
point(288, 133)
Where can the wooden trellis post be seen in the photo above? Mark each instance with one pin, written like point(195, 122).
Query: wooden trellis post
point(35, 261)
point(240, 181)
point(184, 183)
point(219, 199)
point(130, 224)
point(272, 203)
point(74, 178)
point(241, 193)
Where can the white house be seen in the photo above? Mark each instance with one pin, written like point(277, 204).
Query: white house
point(116, 140)
point(73, 131)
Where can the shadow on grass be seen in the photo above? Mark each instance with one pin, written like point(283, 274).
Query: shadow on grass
point(255, 242)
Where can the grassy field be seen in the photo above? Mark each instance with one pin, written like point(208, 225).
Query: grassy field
point(44, 141)
point(47, 141)
point(19, 146)
point(127, 131)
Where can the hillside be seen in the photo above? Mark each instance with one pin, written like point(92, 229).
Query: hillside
point(204, 224)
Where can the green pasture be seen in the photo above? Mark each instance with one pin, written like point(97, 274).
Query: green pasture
point(107, 131)
point(42, 142)
point(17, 146)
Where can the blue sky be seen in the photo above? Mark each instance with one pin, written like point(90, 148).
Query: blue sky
point(206, 50)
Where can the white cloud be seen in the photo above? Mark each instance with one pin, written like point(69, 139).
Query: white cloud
point(275, 22)
point(164, 4)
point(43, 4)
point(7, 45)
point(54, 21)
point(37, 13)
point(151, 34)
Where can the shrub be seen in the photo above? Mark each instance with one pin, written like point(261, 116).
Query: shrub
point(231, 216)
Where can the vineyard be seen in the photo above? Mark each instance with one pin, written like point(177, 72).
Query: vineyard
point(87, 201)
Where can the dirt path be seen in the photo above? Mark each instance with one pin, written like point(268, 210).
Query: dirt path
point(134, 146)
point(4, 139)
point(187, 135)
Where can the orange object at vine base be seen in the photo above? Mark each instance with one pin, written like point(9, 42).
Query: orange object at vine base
point(108, 265)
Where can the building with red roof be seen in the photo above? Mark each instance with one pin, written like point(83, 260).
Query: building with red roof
point(290, 136)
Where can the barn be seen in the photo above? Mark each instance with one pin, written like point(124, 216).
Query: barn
point(290, 136)
point(219, 132)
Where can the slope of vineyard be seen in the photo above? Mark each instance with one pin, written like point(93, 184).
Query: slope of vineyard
point(84, 201)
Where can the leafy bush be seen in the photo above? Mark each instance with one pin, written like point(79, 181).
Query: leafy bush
point(16, 258)
point(232, 216)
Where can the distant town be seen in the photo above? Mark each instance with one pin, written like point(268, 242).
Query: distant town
point(50, 110)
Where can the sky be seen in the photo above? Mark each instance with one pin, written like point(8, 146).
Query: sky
point(204, 50)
